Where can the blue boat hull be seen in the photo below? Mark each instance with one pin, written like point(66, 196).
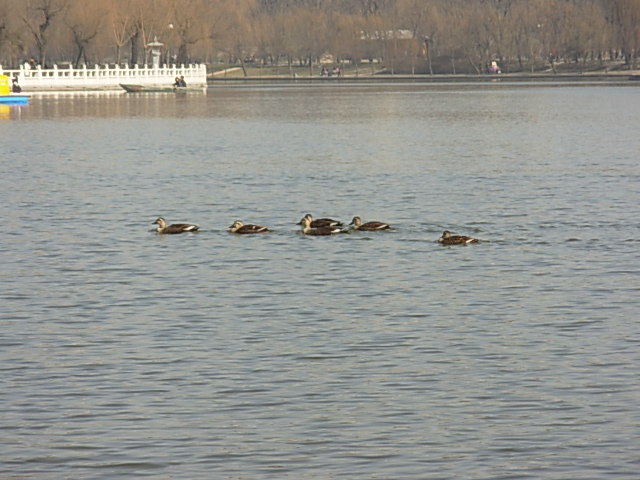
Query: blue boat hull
point(14, 99)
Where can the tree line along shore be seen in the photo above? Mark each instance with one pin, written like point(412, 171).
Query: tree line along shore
point(251, 38)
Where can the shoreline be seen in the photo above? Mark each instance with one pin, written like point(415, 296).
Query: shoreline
point(627, 78)
point(596, 77)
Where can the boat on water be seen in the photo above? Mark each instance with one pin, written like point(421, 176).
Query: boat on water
point(14, 99)
point(135, 88)
point(9, 98)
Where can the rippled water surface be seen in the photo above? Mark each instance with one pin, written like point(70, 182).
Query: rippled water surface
point(127, 354)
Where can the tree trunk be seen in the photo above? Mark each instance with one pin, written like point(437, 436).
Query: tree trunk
point(134, 48)
point(79, 57)
point(183, 55)
point(41, 53)
point(475, 67)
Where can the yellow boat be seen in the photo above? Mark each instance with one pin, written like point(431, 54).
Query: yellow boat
point(8, 98)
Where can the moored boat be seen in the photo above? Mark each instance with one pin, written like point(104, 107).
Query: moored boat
point(8, 98)
point(135, 88)
point(14, 99)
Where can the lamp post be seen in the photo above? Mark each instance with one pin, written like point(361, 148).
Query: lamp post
point(169, 59)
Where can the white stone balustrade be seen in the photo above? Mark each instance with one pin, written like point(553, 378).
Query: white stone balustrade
point(104, 77)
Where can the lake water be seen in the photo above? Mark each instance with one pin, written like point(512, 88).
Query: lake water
point(127, 354)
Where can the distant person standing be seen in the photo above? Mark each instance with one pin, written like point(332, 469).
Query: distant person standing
point(15, 88)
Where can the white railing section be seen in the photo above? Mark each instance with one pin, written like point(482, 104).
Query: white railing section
point(105, 77)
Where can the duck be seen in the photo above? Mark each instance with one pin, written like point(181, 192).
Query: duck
point(174, 228)
point(241, 228)
point(321, 222)
point(448, 239)
point(307, 229)
point(369, 226)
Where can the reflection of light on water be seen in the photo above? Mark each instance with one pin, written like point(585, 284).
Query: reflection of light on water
point(113, 104)
point(8, 112)
point(76, 93)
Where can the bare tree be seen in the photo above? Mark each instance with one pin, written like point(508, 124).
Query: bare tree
point(5, 42)
point(235, 23)
point(421, 18)
point(306, 36)
point(453, 34)
point(84, 22)
point(121, 25)
point(374, 7)
point(624, 16)
point(38, 16)
point(344, 35)
point(187, 21)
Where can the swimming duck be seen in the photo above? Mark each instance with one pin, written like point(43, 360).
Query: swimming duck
point(307, 229)
point(321, 222)
point(369, 226)
point(448, 239)
point(241, 228)
point(175, 228)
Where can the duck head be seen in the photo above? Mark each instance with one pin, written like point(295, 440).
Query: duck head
point(306, 217)
point(357, 221)
point(236, 225)
point(160, 222)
